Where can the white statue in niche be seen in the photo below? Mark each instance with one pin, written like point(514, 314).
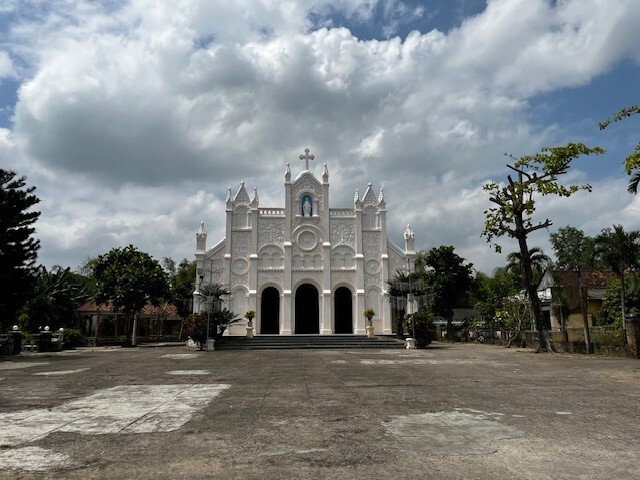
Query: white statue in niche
point(306, 207)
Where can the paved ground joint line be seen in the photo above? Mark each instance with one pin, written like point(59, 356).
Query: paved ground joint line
point(159, 405)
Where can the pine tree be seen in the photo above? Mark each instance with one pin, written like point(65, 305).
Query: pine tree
point(18, 247)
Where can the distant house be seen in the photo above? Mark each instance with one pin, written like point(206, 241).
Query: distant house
point(559, 293)
point(100, 322)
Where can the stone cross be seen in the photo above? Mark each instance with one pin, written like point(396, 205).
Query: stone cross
point(306, 157)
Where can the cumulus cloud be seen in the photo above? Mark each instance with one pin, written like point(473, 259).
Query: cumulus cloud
point(136, 115)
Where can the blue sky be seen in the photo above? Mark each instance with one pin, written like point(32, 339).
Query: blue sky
point(133, 117)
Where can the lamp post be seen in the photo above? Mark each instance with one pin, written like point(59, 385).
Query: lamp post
point(208, 303)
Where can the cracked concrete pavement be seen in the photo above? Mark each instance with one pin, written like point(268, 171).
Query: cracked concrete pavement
point(459, 411)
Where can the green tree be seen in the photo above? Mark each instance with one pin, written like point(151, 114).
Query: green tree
point(449, 280)
point(490, 294)
point(56, 296)
point(182, 280)
point(573, 249)
point(535, 175)
point(611, 312)
point(632, 162)
point(128, 279)
point(221, 320)
point(539, 263)
point(18, 247)
point(576, 252)
point(620, 251)
point(399, 288)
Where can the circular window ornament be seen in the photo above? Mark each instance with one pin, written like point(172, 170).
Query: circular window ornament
point(372, 266)
point(240, 266)
point(307, 240)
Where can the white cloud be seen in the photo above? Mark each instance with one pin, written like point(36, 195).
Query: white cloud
point(133, 118)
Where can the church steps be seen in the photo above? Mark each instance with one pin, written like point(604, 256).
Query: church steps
point(266, 342)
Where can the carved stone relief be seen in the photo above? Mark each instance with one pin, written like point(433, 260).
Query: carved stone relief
point(338, 277)
point(272, 276)
point(270, 257)
point(307, 240)
point(371, 244)
point(372, 300)
point(213, 269)
point(343, 258)
point(310, 277)
point(238, 280)
point(240, 246)
point(370, 280)
point(270, 231)
point(396, 261)
point(240, 266)
point(306, 261)
point(343, 232)
point(372, 266)
point(241, 217)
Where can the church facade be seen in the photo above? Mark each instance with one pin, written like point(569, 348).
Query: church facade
point(305, 268)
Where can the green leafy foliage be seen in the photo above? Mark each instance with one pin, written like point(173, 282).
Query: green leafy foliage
point(632, 162)
point(535, 175)
point(449, 279)
point(56, 296)
point(620, 251)
point(195, 327)
point(73, 338)
point(220, 321)
point(512, 215)
point(539, 263)
point(18, 247)
point(425, 329)
point(491, 292)
point(182, 280)
point(574, 250)
point(128, 279)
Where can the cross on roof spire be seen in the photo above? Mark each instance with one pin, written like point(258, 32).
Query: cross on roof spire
point(306, 157)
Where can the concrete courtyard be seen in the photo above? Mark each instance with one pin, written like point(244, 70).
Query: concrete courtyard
point(448, 412)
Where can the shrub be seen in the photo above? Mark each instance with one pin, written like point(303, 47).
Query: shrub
point(73, 338)
point(425, 328)
point(195, 326)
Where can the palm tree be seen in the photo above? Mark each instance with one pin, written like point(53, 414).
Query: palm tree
point(214, 292)
point(539, 263)
point(633, 183)
point(56, 295)
point(619, 250)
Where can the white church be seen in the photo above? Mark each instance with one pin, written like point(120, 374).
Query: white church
point(305, 268)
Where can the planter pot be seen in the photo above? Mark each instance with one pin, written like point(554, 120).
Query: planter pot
point(249, 332)
point(370, 331)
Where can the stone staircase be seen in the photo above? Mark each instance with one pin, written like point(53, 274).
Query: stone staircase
point(274, 342)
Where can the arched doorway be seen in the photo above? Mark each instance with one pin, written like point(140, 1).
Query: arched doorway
point(343, 312)
point(270, 311)
point(307, 311)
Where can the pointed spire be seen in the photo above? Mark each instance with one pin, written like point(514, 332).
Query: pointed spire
point(356, 197)
point(382, 203)
point(229, 199)
point(201, 238)
point(325, 174)
point(287, 173)
point(255, 200)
